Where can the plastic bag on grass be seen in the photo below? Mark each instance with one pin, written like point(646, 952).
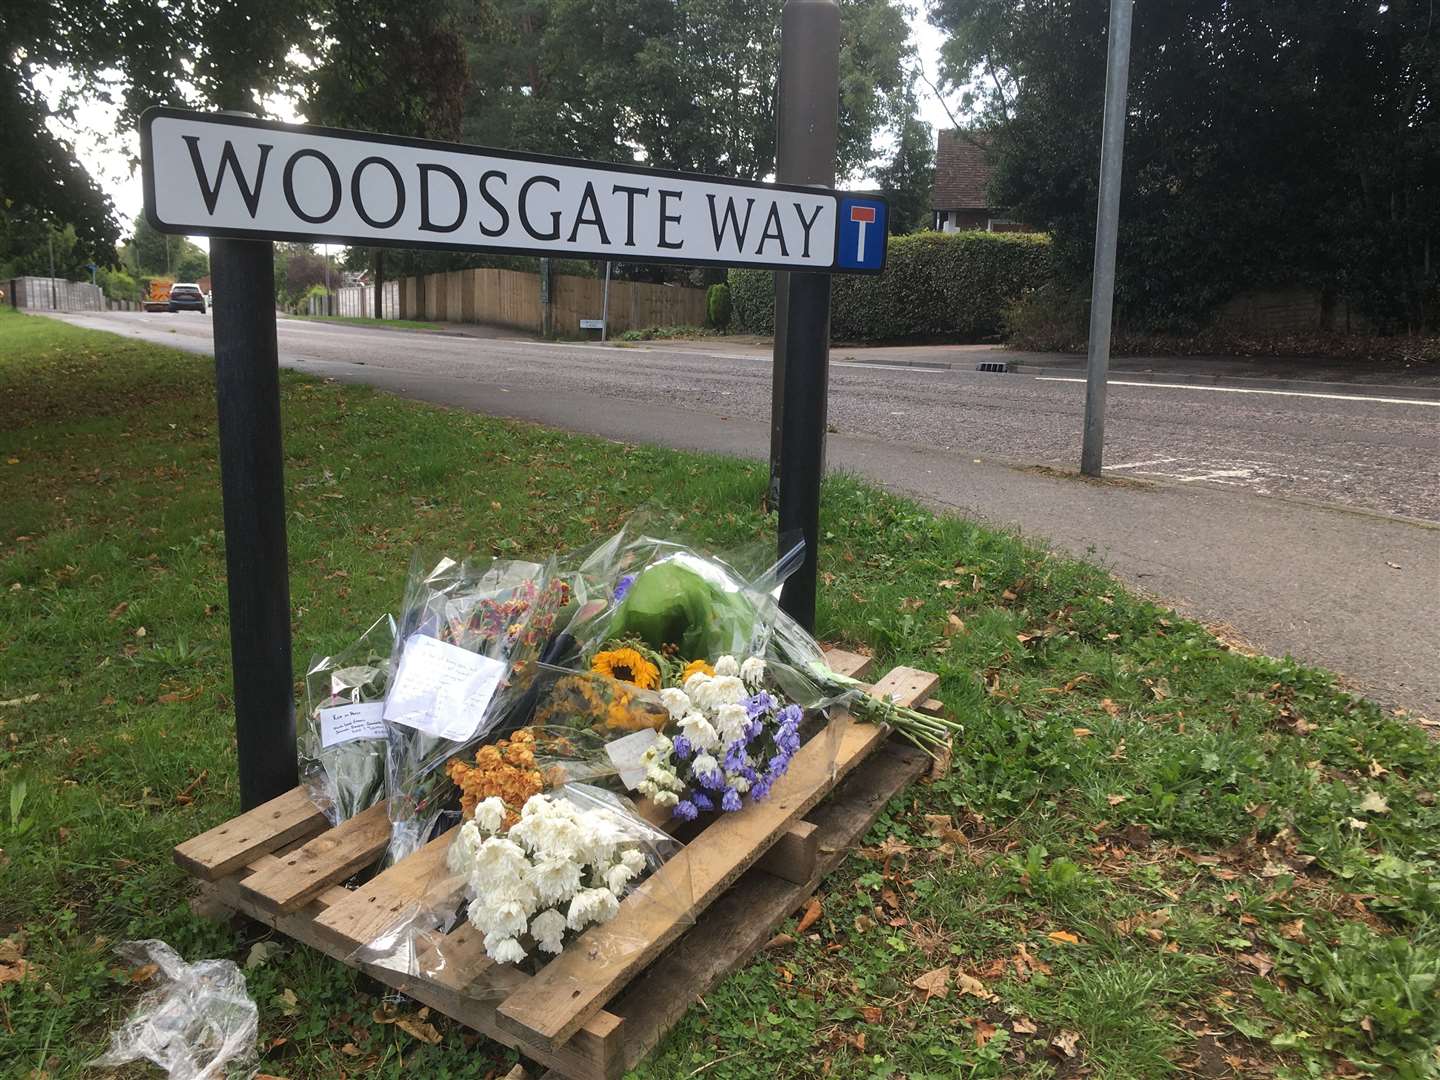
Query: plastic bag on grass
point(463, 628)
point(517, 890)
point(343, 740)
point(198, 1023)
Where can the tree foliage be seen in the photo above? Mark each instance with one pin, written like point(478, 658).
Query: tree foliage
point(908, 177)
point(1268, 143)
point(683, 84)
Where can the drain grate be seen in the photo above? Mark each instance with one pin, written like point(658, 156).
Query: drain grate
point(993, 365)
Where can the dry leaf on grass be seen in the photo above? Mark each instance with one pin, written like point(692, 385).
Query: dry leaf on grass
point(1116, 800)
point(1063, 936)
point(864, 923)
point(1374, 803)
point(943, 827)
point(984, 1032)
point(871, 1013)
point(144, 972)
point(1261, 962)
point(968, 984)
point(779, 941)
point(1082, 732)
point(1110, 706)
point(953, 625)
point(811, 916)
point(1065, 1042)
point(935, 983)
point(1023, 1026)
point(423, 1030)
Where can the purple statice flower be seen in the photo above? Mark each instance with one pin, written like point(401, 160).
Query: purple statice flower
point(681, 747)
point(623, 586)
point(701, 801)
point(754, 729)
point(685, 810)
point(760, 703)
point(790, 716)
point(731, 802)
point(735, 756)
point(779, 764)
point(749, 774)
point(760, 789)
point(714, 780)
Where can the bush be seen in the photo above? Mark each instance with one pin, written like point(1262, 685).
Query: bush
point(951, 286)
point(117, 284)
point(718, 306)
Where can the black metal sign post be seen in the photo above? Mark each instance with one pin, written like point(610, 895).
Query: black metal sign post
point(252, 483)
point(809, 117)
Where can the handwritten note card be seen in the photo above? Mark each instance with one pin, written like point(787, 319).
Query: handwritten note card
point(441, 689)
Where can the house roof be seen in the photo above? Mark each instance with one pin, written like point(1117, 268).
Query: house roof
point(962, 175)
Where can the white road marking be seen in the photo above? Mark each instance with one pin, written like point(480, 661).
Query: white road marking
point(1141, 464)
point(1252, 390)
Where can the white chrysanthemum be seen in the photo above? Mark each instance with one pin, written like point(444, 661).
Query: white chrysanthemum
point(752, 671)
point(704, 765)
point(506, 951)
point(548, 930)
point(727, 667)
point(633, 858)
point(699, 731)
point(489, 919)
point(731, 722)
point(665, 798)
point(727, 690)
point(617, 877)
point(738, 782)
point(591, 906)
point(461, 856)
point(676, 701)
point(490, 815)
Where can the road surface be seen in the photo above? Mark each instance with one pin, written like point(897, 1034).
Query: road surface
point(1305, 521)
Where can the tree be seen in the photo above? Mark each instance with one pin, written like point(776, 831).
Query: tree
point(909, 176)
point(683, 84)
point(1268, 142)
point(149, 251)
point(225, 55)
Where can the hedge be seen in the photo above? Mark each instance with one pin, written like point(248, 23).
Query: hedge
point(954, 286)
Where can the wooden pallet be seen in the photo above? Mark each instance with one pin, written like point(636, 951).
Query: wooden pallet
point(596, 1009)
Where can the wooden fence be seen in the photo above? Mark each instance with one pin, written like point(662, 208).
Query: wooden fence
point(511, 298)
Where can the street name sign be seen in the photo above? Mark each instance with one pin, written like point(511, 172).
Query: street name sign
point(220, 175)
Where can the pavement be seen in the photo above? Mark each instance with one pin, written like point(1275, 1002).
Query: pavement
point(1301, 521)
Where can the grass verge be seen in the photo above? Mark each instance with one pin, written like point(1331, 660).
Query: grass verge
point(394, 324)
point(1152, 857)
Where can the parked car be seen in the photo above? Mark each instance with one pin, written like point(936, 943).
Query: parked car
point(186, 296)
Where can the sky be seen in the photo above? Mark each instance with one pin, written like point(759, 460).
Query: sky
point(106, 150)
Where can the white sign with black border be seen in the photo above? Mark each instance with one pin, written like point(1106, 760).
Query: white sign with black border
point(218, 175)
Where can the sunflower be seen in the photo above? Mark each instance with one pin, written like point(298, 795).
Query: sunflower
point(627, 665)
point(695, 667)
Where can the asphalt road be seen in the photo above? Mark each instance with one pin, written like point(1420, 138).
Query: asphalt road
point(1302, 520)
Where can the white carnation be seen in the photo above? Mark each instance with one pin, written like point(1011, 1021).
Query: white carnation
point(665, 798)
point(695, 683)
point(752, 671)
point(727, 690)
point(704, 765)
point(506, 951)
point(699, 732)
point(591, 906)
point(676, 701)
point(726, 666)
point(634, 858)
point(730, 722)
point(490, 815)
point(617, 877)
point(461, 856)
point(556, 880)
point(548, 930)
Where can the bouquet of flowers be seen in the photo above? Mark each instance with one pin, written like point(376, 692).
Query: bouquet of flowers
point(343, 739)
point(563, 864)
point(464, 629)
point(735, 740)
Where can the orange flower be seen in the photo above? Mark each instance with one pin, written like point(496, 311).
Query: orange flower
point(505, 770)
point(695, 667)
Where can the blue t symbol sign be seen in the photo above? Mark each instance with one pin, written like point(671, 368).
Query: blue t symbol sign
point(862, 234)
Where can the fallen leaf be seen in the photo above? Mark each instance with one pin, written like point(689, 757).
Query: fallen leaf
point(420, 1029)
point(1261, 962)
point(1116, 800)
point(28, 699)
point(1064, 936)
point(1356, 824)
point(1082, 732)
point(942, 826)
point(935, 983)
point(779, 941)
point(1065, 1042)
point(140, 631)
point(1022, 1026)
point(889, 899)
point(143, 972)
point(119, 609)
point(871, 1013)
point(1110, 706)
point(984, 1032)
point(1374, 803)
point(1025, 964)
point(864, 923)
point(290, 1004)
point(1377, 770)
point(351, 1050)
point(1293, 931)
point(812, 914)
point(953, 625)
point(260, 953)
point(1009, 595)
point(968, 984)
